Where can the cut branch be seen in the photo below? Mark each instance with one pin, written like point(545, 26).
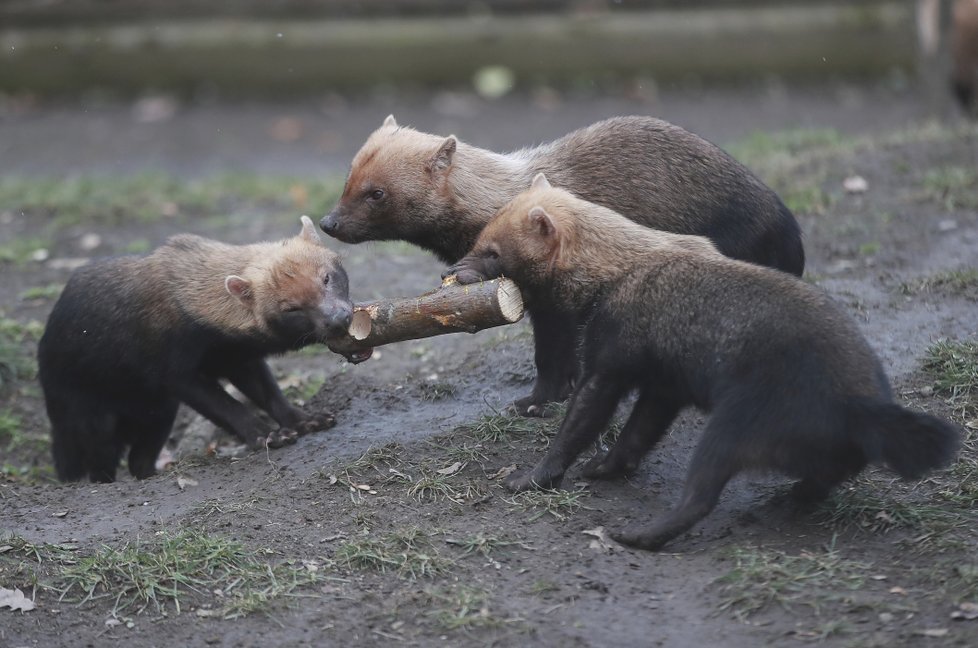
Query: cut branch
point(451, 308)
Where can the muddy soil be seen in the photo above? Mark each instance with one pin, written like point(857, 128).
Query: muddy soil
point(464, 562)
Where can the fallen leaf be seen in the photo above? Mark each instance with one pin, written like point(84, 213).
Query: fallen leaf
point(966, 612)
point(601, 542)
point(15, 600)
point(5, 548)
point(183, 482)
point(931, 632)
point(332, 480)
point(450, 470)
point(201, 612)
point(111, 623)
point(505, 471)
point(855, 184)
point(90, 241)
point(59, 514)
point(898, 590)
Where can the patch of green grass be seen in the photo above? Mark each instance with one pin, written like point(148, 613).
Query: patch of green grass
point(963, 581)
point(432, 486)
point(17, 361)
point(9, 427)
point(928, 522)
point(40, 553)
point(869, 249)
point(378, 458)
point(50, 291)
point(438, 484)
point(762, 577)
point(436, 391)
point(953, 365)
point(174, 570)
point(543, 586)
point(306, 388)
point(461, 451)
point(13, 435)
point(963, 281)
point(215, 507)
point(762, 149)
point(137, 246)
point(495, 428)
point(21, 250)
point(462, 606)
point(557, 503)
point(152, 196)
point(954, 187)
point(26, 474)
point(482, 544)
point(313, 350)
point(804, 197)
point(406, 552)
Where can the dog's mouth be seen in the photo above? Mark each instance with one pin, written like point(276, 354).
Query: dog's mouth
point(360, 356)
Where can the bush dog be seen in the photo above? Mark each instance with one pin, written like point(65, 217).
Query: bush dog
point(791, 384)
point(131, 338)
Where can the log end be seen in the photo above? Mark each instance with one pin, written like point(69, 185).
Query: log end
point(361, 325)
point(510, 300)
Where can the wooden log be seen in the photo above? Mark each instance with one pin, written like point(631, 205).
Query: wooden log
point(451, 308)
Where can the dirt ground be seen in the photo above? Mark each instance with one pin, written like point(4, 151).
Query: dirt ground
point(393, 526)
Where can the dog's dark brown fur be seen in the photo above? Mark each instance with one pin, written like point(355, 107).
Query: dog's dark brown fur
point(131, 338)
point(791, 383)
point(438, 193)
point(964, 54)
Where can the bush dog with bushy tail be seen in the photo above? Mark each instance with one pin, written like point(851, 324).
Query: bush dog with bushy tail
point(133, 337)
point(438, 192)
point(791, 384)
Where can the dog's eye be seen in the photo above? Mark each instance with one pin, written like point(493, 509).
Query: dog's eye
point(326, 280)
point(376, 194)
point(492, 254)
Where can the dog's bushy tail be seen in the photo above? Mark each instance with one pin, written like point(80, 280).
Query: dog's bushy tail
point(911, 443)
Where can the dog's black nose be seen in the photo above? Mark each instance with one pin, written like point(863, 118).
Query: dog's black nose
point(329, 223)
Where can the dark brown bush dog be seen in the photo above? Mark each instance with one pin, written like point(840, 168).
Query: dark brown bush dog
point(133, 337)
point(791, 383)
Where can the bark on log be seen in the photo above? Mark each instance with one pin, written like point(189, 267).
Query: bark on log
point(451, 308)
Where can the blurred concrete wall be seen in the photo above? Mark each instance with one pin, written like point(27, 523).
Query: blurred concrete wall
point(294, 47)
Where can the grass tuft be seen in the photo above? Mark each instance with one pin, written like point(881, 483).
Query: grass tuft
point(953, 187)
point(954, 367)
point(560, 504)
point(17, 362)
point(930, 523)
point(406, 552)
point(495, 428)
point(176, 568)
point(460, 607)
point(960, 282)
point(761, 578)
point(153, 196)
